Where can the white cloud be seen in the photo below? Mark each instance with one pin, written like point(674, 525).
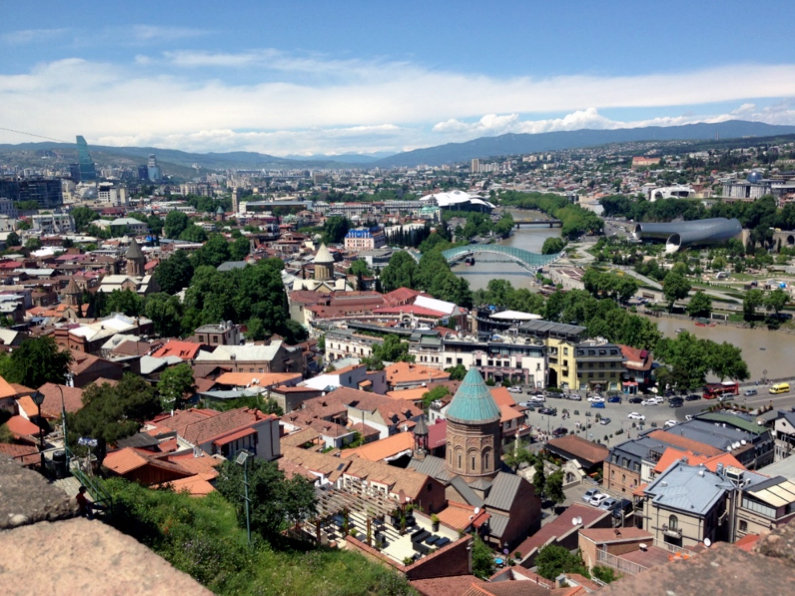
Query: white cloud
point(153, 33)
point(278, 102)
point(33, 35)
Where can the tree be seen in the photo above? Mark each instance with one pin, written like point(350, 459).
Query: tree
point(276, 503)
point(752, 300)
point(174, 273)
point(335, 229)
point(675, 287)
point(175, 224)
point(539, 477)
point(82, 217)
point(482, 559)
point(193, 233)
point(33, 244)
point(12, 239)
point(726, 360)
point(457, 372)
point(552, 560)
point(38, 361)
point(776, 300)
point(399, 272)
point(214, 252)
point(123, 301)
point(433, 395)
point(553, 246)
point(110, 413)
point(700, 305)
point(240, 248)
point(517, 454)
point(165, 312)
point(175, 385)
point(554, 488)
point(359, 268)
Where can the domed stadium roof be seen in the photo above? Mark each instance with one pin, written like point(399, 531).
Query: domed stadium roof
point(755, 177)
point(473, 402)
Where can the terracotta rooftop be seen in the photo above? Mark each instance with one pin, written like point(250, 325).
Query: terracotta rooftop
point(186, 350)
point(671, 455)
point(561, 525)
point(202, 426)
point(245, 379)
point(604, 535)
point(51, 406)
point(6, 390)
point(685, 443)
point(580, 448)
point(380, 450)
point(455, 585)
point(407, 372)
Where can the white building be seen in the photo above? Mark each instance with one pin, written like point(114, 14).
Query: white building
point(53, 223)
point(115, 196)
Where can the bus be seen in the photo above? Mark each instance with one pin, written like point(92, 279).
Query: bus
point(713, 390)
point(780, 388)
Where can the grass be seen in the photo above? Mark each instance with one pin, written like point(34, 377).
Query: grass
point(202, 537)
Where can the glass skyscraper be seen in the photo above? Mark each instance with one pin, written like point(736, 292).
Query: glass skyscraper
point(88, 172)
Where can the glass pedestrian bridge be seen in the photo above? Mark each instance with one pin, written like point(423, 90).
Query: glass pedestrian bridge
point(529, 260)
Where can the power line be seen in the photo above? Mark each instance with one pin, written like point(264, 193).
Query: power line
point(30, 134)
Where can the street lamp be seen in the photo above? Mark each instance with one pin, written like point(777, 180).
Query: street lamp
point(63, 421)
point(38, 399)
point(242, 460)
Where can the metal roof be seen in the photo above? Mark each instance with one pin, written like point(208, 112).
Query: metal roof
point(694, 490)
point(497, 524)
point(473, 402)
point(734, 420)
point(503, 491)
point(549, 327)
point(777, 492)
point(431, 466)
point(466, 492)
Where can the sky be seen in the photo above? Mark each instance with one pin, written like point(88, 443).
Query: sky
point(320, 77)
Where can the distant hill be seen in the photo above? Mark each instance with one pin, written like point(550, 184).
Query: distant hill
point(514, 144)
point(211, 161)
point(346, 158)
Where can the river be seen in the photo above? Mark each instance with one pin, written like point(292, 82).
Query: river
point(487, 267)
point(763, 350)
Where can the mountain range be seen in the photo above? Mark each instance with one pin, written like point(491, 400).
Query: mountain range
point(484, 147)
point(517, 144)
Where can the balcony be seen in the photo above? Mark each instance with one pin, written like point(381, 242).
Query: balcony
point(671, 532)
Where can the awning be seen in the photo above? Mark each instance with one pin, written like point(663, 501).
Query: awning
point(235, 436)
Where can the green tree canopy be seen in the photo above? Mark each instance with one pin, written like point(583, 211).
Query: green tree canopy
point(175, 386)
point(124, 301)
point(193, 233)
point(110, 413)
point(214, 252)
point(175, 224)
point(165, 311)
point(752, 300)
point(335, 229)
point(700, 305)
point(675, 287)
point(399, 272)
point(552, 246)
point(457, 372)
point(174, 273)
point(38, 361)
point(276, 503)
point(552, 560)
point(482, 559)
point(82, 217)
point(776, 300)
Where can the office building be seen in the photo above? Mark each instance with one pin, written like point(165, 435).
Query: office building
point(87, 171)
point(46, 192)
point(153, 170)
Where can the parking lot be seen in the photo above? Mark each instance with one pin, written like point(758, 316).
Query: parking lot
point(581, 412)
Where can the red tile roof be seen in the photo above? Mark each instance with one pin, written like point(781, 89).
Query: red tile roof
point(561, 525)
point(685, 443)
point(380, 450)
point(186, 350)
point(672, 455)
point(580, 448)
point(51, 406)
point(203, 426)
point(22, 428)
point(454, 585)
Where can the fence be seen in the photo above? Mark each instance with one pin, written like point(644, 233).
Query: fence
point(619, 564)
point(671, 548)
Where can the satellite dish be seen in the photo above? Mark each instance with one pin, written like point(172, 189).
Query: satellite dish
point(707, 542)
point(573, 521)
point(477, 510)
point(579, 519)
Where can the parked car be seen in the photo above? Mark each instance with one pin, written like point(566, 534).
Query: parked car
point(560, 432)
point(608, 504)
point(670, 423)
point(598, 404)
point(548, 411)
point(623, 507)
point(693, 397)
point(590, 494)
point(614, 399)
point(649, 402)
point(598, 499)
point(596, 399)
point(676, 402)
point(636, 416)
point(515, 389)
point(748, 392)
point(574, 397)
point(604, 421)
point(636, 400)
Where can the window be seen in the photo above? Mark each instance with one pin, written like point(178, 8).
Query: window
point(473, 463)
point(448, 360)
point(565, 351)
point(459, 461)
point(673, 523)
point(758, 507)
point(486, 460)
point(743, 526)
point(623, 477)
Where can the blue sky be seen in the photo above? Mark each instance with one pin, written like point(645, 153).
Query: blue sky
point(336, 77)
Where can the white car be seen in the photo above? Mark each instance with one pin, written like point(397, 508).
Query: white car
point(636, 416)
point(574, 397)
point(670, 423)
point(598, 499)
point(649, 402)
point(596, 399)
point(515, 389)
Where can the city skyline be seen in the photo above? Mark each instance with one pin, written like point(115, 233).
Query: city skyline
point(352, 78)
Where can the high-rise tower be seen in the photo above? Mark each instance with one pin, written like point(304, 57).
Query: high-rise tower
point(86, 168)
